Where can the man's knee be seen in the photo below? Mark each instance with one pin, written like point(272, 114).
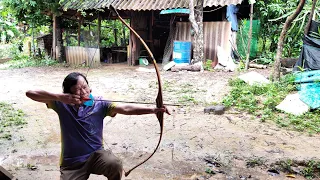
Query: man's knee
point(114, 170)
point(108, 164)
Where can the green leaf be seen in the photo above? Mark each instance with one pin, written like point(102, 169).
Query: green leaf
point(10, 33)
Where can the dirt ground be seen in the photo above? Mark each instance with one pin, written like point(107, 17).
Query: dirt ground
point(191, 138)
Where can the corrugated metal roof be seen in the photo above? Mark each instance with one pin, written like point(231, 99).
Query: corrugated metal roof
point(85, 4)
point(210, 3)
point(138, 5)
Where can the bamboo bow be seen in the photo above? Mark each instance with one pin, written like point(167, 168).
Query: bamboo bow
point(159, 100)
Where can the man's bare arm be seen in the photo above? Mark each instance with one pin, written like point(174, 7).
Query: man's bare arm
point(47, 97)
point(128, 109)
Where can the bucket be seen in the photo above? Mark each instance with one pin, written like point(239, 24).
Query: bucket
point(143, 61)
point(181, 52)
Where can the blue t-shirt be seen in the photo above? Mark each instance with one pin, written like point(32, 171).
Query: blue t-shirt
point(81, 130)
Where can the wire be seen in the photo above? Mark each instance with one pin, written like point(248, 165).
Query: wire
point(210, 10)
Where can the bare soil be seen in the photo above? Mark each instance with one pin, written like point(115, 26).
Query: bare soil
point(190, 137)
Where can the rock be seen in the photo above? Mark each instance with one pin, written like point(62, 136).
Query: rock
point(182, 111)
point(209, 109)
point(253, 77)
point(293, 105)
point(288, 62)
point(218, 110)
point(14, 151)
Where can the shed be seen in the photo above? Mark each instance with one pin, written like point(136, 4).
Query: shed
point(157, 30)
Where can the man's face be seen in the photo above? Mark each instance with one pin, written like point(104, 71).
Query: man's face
point(81, 88)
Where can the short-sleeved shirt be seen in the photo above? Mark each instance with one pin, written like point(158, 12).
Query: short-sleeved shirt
point(81, 130)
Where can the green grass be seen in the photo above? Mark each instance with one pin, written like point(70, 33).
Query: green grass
point(26, 61)
point(10, 117)
point(261, 100)
point(310, 169)
point(251, 163)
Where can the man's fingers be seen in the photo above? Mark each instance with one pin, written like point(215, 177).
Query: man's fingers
point(75, 96)
point(167, 111)
point(164, 109)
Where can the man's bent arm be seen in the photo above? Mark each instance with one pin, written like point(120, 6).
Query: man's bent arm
point(47, 97)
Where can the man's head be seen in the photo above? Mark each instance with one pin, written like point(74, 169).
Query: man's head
point(76, 83)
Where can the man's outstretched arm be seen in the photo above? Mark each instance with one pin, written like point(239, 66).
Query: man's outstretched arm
point(128, 109)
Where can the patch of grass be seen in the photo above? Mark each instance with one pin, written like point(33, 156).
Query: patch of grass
point(10, 117)
point(251, 163)
point(208, 65)
point(187, 99)
point(26, 61)
point(261, 100)
point(310, 169)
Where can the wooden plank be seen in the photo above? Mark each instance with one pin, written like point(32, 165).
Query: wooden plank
point(5, 175)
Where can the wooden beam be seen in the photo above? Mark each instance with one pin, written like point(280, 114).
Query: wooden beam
point(5, 175)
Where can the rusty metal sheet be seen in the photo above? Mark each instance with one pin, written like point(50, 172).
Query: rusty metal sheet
point(76, 55)
point(215, 34)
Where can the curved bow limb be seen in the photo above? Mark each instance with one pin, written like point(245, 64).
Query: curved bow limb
point(159, 99)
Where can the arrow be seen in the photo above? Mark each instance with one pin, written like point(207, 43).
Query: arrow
point(131, 102)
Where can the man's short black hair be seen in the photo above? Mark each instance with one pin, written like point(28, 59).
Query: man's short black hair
point(71, 80)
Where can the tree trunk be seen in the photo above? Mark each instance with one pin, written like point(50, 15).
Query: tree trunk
point(99, 30)
point(54, 37)
point(249, 38)
point(277, 64)
point(196, 20)
point(306, 30)
point(61, 54)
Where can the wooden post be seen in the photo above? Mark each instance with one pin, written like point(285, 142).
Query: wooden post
point(54, 37)
point(150, 32)
point(249, 38)
point(79, 30)
point(115, 33)
point(133, 47)
point(29, 48)
point(99, 30)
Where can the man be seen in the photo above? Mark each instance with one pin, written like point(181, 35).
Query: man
point(81, 123)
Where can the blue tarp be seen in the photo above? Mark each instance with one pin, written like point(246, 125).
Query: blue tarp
point(176, 11)
point(232, 11)
point(309, 87)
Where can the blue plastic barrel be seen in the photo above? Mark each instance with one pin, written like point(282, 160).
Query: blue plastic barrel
point(182, 52)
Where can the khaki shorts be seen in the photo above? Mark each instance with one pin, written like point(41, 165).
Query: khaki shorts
point(101, 162)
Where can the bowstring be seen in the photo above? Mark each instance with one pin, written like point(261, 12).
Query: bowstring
point(86, 75)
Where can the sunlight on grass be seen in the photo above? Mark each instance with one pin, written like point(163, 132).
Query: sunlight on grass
point(261, 101)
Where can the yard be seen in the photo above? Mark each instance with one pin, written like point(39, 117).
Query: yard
point(234, 145)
